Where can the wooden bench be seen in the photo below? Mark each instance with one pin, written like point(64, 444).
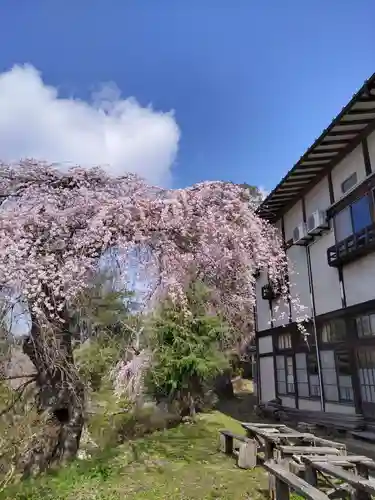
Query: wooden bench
point(364, 487)
point(246, 453)
point(345, 460)
point(269, 437)
point(286, 480)
point(289, 451)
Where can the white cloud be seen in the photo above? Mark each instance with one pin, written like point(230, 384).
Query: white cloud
point(111, 131)
point(263, 192)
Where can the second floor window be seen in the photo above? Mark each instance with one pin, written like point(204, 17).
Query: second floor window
point(333, 331)
point(284, 341)
point(353, 218)
point(348, 183)
point(365, 325)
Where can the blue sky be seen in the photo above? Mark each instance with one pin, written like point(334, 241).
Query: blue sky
point(252, 84)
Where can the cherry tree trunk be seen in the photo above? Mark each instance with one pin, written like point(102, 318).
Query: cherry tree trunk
point(60, 399)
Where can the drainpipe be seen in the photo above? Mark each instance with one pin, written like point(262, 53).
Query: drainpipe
point(312, 300)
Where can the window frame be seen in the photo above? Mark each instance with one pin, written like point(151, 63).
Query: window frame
point(310, 374)
point(286, 344)
point(285, 370)
point(337, 353)
point(370, 196)
point(333, 325)
point(336, 383)
point(354, 176)
point(361, 317)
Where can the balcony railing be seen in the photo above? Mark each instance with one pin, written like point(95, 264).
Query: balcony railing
point(355, 246)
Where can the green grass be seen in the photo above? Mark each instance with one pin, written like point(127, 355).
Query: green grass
point(181, 463)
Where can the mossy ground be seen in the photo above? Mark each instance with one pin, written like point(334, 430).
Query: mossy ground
point(179, 463)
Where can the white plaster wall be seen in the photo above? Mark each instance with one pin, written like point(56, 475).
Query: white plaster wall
point(299, 281)
point(359, 280)
point(309, 404)
point(292, 219)
point(371, 149)
point(280, 312)
point(340, 408)
point(289, 402)
point(354, 162)
point(280, 308)
point(265, 344)
point(297, 263)
point(326, 284)
point(263, 308)
point(317, 198)
point(267, 379)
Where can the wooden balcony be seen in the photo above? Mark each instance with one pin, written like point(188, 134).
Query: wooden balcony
point(355, 246)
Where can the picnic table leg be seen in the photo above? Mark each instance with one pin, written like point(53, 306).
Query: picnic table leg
point(362, 471)
point(226, 444)
point(311, 475)
point(268, 455)
point(247, 456)
point(281, 490)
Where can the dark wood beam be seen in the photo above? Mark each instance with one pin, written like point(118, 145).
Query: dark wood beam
point(329, 150)
point(362, 111)
point(356, 121)
point(366, 156)
point(346, 132)
point(370, 98)
point(334, 143)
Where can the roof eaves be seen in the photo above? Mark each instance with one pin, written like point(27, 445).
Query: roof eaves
point(305, 163)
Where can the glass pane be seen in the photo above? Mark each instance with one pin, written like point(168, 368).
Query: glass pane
point(349, 182)
point(280, 363)
point(359, 326)
point(325, 333)
point(338, 329)
point(345, 381)
point(366, 326)
point(302, 375)
point(331, 392)
point(314, 386)
point(312, 364)
point(346, 393)
point(372, 324)
point(281, 387)
point(343, 224)
point(327, 359)
point(343, 364)
point(280, 375)
point(301, 360)
point(329, 376)
point(303, 390)
point(361, 214)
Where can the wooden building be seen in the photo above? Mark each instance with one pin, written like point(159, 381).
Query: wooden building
point(324, 208)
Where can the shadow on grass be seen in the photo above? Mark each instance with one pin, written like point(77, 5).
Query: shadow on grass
point(241, 406)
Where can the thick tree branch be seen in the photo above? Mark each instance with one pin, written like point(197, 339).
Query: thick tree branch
point(19, 395)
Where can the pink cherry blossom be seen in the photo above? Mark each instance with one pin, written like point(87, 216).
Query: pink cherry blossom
point(54, 226)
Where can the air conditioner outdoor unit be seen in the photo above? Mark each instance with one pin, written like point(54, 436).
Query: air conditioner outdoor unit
point(300, 236)
point(317, 222)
